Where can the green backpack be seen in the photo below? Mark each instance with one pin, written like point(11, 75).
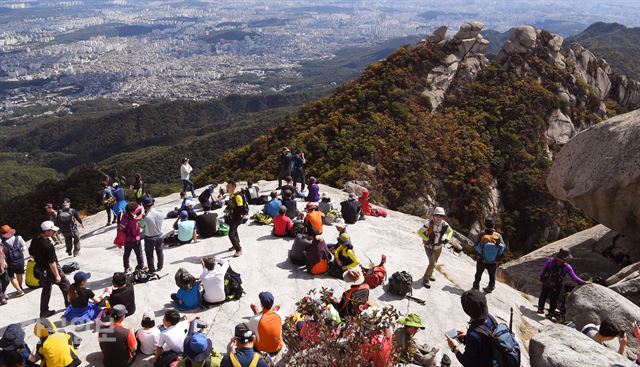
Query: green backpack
point(262, 219)
point(223, 229)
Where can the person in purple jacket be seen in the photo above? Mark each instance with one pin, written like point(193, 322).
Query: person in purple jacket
point(552, 278)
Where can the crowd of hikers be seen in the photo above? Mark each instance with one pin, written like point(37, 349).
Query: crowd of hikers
point(320, 321)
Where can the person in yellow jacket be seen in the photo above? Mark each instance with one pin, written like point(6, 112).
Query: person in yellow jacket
point(55, 348)
point(435, 234)
point(345, 256)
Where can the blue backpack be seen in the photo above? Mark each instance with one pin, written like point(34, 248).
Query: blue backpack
point(505, 350)
point(489, 248)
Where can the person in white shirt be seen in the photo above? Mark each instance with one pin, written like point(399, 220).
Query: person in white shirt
point(151, 225)
point(148, 335)
point(171, 340)
point(185, 174)
point(212, 279)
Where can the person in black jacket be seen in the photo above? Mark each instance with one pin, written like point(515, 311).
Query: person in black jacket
point(351, 209)
point(477, 351)
point(122, 293)
point(284, 165)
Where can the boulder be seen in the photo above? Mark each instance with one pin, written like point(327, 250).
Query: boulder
point(480, 46)
point(625, 272)
point(356, 187)
point(439, 34)
point(628, 92)
point(618, 247)
point(522, 273)
point(592, 303)
point(469, 30)
point(561, 346)
point(556, 42)
point(521, 41)
point(561, 128)
point(598, 171)
point(593, 70)
point(629, 287)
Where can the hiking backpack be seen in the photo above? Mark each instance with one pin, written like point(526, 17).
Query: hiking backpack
point(184, 279)
point(13, 252)
point(489, 248)
point(140, 276)
point(377, 275)
point(262, 219)
point(232, 285)
point(401, 283)
point(505, 349)
point(242, 210)
point(555, 275)
point(70, 267)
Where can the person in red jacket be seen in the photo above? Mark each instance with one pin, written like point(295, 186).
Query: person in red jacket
point(282, 225)
point(366, 206)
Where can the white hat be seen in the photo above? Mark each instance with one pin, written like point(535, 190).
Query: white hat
point(48, 226)
point(353, 276)
point(439, 211)
point(188, 202)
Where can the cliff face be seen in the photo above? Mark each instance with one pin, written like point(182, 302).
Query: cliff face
point(437, 124)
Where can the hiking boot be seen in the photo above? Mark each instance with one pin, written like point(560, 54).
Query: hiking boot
point(488, 289)
point(540, 311)
point(47, 313)
point(68, 253)
point(158, 269)
point(432, 279)
point(237, 253)
point(128, 269)
point(76, 253)
point(426, 284)
point(3, 301)
point(231, 248)
point(19, 293)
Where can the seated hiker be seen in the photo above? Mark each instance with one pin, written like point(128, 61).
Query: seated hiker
point(344, 257)
point(407, 348)
point(171, 342)
point(148, 335)
point(241, 351)
point(354, 299)
point(212, 279)
point(175, 213)
point(298, 252)
point(122, 293)
point(351, 210)
point(325, 205)
point(290, 204)
point(55, 348)
point(198, 349)
point(209, 198)
point(552, 278)
point(366, 206)
point(207, 224)
point(273, 206)
point(188, 296)
point(117, 343)
point(605, 332)
point(187, 232)
point(13, 349)
point(266, 325)
point(80, 309)
point(378, 350)
point(314, 217)
point(289, 186)
point(282, 225)
point(318, 255)
point(314, 190)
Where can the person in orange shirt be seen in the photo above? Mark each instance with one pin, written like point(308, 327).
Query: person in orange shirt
point(314, 217)
point(266, 324)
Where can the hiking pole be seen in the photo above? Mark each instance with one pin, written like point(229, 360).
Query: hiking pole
point(415, 299)
point(511, 321)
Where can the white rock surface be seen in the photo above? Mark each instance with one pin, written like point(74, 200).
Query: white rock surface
point(561, 128)
point(561, 346)
point(264, 266)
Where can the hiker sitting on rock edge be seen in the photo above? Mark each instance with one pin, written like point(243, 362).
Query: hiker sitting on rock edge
point(407, 349)
point(607, 331)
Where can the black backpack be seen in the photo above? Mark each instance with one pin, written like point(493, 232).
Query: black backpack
point(241, 210)
point(401, 283)
point(70, 267)
point(184, 279)
point(140, 276)
point(555, 275)
point(232, 285)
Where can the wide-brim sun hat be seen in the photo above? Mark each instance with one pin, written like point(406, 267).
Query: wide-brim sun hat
point(413, 320)
point(6, 231)
point(353, 277)
point(439, 211)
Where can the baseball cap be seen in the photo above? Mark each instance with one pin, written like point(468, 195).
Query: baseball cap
point(80, 276)
point(439, 211)
point(6, 231)
point(118, 311)
point(13, 338)
point(184, 215)
point(189, 202)
point(197, 347)
point(48, 226)
point(266, 299)
point(66, 201)
point(148, 201)
point(243, 333)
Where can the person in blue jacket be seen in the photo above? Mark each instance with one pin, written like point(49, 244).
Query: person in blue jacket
point(272, 208)
point(489, 249)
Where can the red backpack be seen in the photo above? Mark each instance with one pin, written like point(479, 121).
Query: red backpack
point(376, 276)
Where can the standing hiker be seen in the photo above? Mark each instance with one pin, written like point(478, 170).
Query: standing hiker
point(236, 210)
point(67, 220)
point(51, 214)
point(489, 249)
point(138, 188)
point(14, 252)
point(435, 234)
point(297, 169)
point(185, 176)
point(284, 165)
point(107, 200)
point(552, 278)
point(121, 201)
point(151, 224)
